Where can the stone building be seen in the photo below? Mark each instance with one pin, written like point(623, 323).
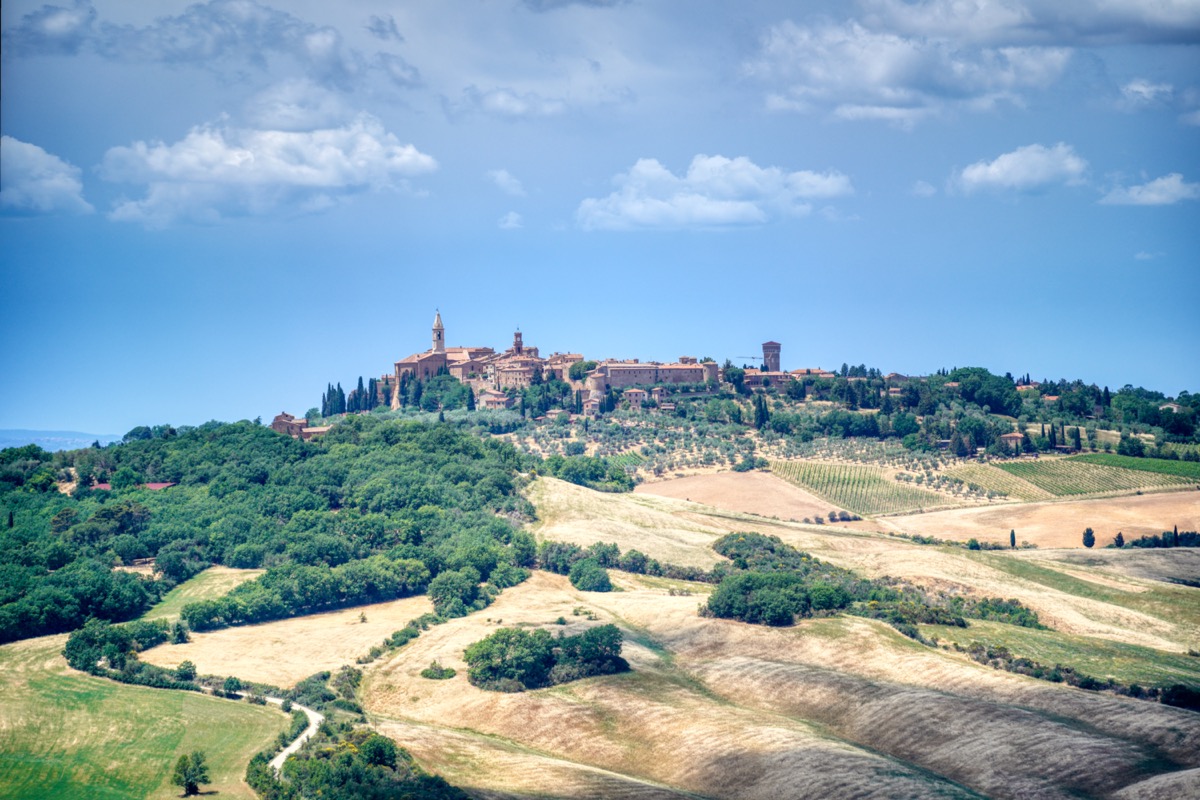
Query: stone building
point(771, 356)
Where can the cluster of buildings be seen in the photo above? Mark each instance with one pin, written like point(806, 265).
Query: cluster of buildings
point(491, 375)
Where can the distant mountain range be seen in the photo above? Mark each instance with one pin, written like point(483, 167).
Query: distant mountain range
point(53, 440)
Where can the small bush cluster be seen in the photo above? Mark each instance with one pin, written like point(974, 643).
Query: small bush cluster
point(514, 659)
point(436, 672)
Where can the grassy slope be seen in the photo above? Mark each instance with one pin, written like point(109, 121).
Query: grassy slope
point(724, 709)
point(212, 582)
point(67, 735)
point(1100, 658)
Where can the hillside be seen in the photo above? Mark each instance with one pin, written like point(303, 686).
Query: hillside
point(833, 706)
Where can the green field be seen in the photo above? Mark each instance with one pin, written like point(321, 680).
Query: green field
point(1099, 658)
point(209, 584)
point(1072, 476)
point(994, 479)
point(862, 489)
point(1160, 466)
point(67, 735)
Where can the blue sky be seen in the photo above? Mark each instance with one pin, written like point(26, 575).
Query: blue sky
point(211, 210)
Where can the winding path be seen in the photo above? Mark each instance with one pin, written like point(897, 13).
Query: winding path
point(315, 718)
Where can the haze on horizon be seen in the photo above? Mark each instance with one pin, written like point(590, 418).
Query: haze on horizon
point(211, 210)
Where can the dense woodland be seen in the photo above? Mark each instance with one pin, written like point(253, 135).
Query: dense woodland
point(376, 509)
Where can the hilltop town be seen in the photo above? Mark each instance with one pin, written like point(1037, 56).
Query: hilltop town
point(494, 378)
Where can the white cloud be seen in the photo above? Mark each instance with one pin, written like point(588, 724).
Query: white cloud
point(1164, 191)
point(510, 221)
point(298, 105)
point(506, 182)
point(507, 103)
point(1145, 256)
point(52, 29)
point(218, 35)
point(922, 189)
point(1025, 168)
point(1140, 93)
point(856, 73)
point(1191, 118)
point(216, 171)
point(33, 181)
point(716, 192)
point(1024, 21)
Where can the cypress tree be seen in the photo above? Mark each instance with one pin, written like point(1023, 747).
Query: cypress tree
point(1119, 539)
point(1089, 537)
point(470, 399)
point(1012, 539)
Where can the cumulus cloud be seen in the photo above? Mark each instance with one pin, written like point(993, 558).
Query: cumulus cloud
point(510, 221)
point(217, 171)
point(1164, 191)
point(33, 181)
point(218, 34)
point(1072, 22)
point(506, 182)
point(715, 192)
point(52, 29)
point(857, 73)
point(1024, 169)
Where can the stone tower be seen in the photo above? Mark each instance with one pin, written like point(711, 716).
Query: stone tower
point(518, 345)
point(439, 334)
point(771, 356)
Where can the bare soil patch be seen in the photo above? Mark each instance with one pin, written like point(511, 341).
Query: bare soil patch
point(287, 651)
point(1060, 524)
point(747, 492)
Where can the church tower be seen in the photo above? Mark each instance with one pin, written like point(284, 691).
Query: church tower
point(439, 334)
point(518, 346)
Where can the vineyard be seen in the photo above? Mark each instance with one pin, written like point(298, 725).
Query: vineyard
point(862, 489)
point(1073, 476)
point(1161, 466)
point(993, 479)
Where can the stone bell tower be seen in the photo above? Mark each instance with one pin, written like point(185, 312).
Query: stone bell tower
point(439, 334)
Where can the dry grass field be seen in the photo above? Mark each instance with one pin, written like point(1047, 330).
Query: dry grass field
point(748, 492)
point(284, 652)
point(841, 706)
point(1060, 524)
point(834, 707)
